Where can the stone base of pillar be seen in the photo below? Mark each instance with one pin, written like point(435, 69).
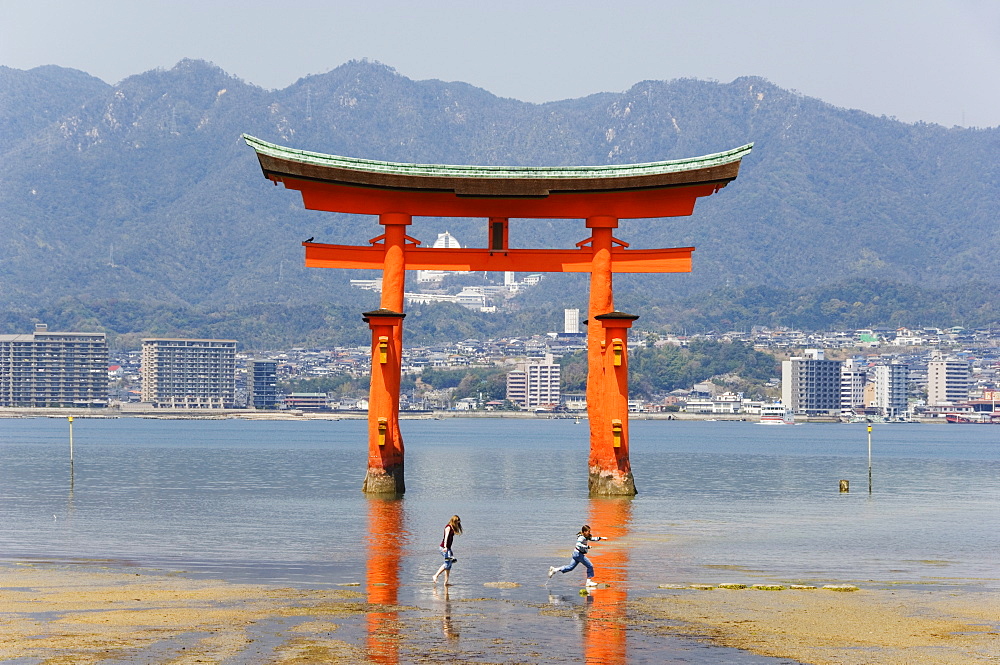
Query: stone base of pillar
point(384, 481)
point(611, 483)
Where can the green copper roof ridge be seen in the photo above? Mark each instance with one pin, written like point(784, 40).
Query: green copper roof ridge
point(498, 172)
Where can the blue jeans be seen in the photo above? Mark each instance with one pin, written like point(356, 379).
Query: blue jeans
point(578, 558)
point(448, 558)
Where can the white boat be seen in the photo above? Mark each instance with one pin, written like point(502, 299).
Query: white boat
point(776, 414)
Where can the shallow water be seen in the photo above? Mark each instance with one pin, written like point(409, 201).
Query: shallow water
point(280, 503)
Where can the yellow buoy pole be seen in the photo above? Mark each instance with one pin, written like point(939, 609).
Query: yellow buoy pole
point(70, 418)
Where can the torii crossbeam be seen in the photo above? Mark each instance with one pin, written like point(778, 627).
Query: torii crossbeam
point(600, 195)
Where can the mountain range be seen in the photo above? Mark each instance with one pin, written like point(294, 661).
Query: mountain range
point(141, 197)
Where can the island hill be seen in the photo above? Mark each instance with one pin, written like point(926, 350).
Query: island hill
point(840, 219)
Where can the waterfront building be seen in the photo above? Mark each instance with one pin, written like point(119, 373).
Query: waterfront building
point(262, 384)
point(307, 401)
point(948, 381)
point(811, 384)
point(698, 405)
point(891, 388)
point(852, 387)
point(53, 369)
point(189, 373)
point(533, 385)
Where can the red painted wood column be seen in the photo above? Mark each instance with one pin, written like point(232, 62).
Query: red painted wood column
point(385, 445)
point(610, 473)
point(610, 468)
point(385, 441)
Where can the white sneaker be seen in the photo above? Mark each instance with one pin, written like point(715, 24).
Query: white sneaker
point(552, 570)
point(591, 583)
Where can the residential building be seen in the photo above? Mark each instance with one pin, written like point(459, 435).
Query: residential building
point(534, 385)
point(811, 384)
point(948, 381)
point(189, 373)
point(852, 387)
point(54, 369)
point(262, 384)
point(890, 389)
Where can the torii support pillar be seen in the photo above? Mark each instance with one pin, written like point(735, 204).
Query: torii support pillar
point(607, 406)
point(385, 443)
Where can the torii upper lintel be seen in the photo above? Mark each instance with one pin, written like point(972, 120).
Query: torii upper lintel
point(629, 191)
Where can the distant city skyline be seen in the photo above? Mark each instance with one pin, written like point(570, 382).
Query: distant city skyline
point(916, 60)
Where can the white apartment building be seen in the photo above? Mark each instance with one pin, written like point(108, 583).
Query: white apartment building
point(53, 369)
point(811, 385)
point(189, 373)
point(890, 389)
point(535, 384)
point(852, 386)
point(948, 381)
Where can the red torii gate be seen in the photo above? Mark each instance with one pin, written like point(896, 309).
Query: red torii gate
point(601, 195)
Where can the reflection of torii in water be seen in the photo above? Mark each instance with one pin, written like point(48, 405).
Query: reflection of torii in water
point(601, 195)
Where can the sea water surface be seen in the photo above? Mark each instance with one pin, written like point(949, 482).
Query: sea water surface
point(279, 502)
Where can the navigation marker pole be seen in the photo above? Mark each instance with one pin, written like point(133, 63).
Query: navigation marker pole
point(70, 418)
point(869, 459)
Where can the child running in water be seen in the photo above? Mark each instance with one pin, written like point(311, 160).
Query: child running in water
point(453, 526)
point(580, 555)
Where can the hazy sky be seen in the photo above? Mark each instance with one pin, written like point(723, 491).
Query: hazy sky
point(930, 60)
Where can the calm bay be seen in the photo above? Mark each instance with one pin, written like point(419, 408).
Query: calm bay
point(279, 503)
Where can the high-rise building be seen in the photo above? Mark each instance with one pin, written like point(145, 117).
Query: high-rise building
point(811, 385)
point(948, 381)
point(852, 387)
point(54, 369)
point(189, 373)
point(891, 382)
point(262, 384)
point(535, 384)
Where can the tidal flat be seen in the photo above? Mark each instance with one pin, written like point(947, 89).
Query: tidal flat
point(92, 613)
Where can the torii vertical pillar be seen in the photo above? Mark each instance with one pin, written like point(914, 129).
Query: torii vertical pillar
point(607, 406)
point(607, 372)
point(385, 445)
point(385, 441)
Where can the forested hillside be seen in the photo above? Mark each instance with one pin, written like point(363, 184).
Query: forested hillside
point(137, 209)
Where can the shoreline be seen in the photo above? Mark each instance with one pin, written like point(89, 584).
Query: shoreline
point(112, 413)
point(92, 612)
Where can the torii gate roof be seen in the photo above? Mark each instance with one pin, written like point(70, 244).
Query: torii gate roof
point(365, 186)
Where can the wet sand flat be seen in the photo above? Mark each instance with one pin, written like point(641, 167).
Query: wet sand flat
point(87, 614)
point(84, 616)
point(932, 626)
